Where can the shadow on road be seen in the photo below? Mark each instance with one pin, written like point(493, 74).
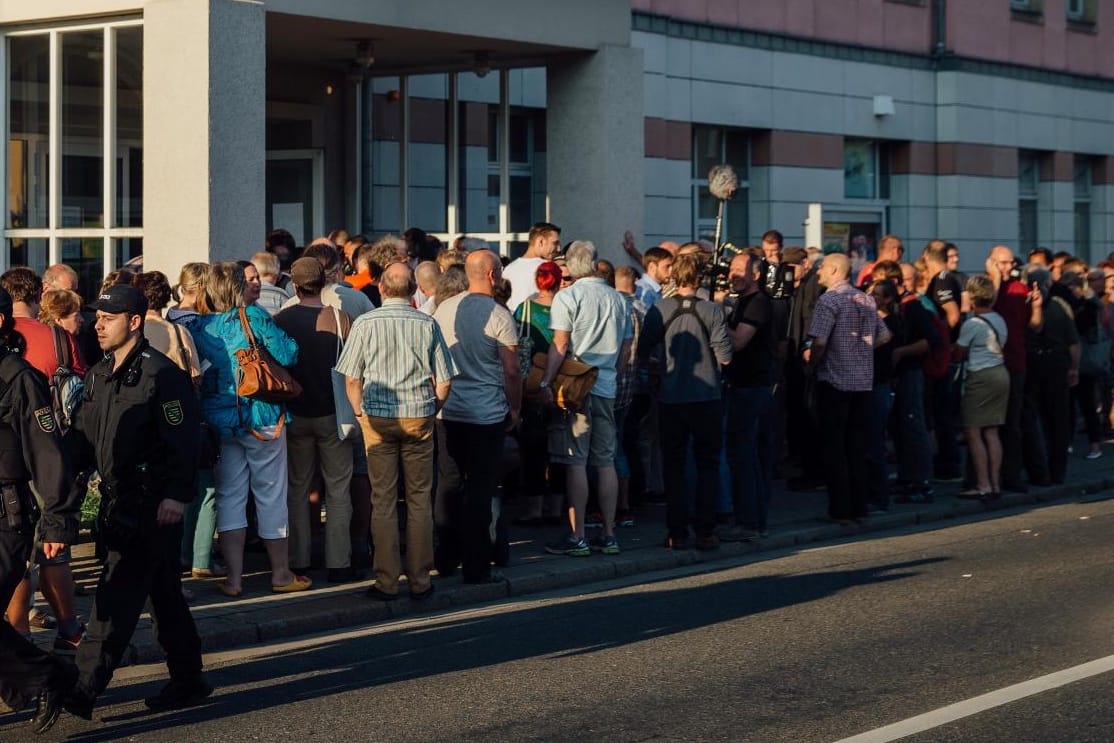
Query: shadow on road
point(566, 629)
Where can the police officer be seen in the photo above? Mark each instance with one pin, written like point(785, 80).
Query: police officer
point(140, 426)
point(30, 449)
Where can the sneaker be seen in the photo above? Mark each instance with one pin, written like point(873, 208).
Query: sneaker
point(570, 546)
point(180, 694)
point(67, 646)
point(1093, 455)
point(605, 545)
point(624, 518)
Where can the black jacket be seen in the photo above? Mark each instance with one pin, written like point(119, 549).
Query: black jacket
point(141, 425)
point(31, 448)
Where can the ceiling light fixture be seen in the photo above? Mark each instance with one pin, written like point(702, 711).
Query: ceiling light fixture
point(365, 54)
point(481, 64)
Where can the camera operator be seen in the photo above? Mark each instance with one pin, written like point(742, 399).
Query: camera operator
point(750, 392)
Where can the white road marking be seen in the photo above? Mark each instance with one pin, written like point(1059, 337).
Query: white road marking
point(983, 702)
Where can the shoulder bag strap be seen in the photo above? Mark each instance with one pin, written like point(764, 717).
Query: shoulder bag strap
point(340, 340)
point(183, 355)
point(524, 331)
point(247, 328)
point(61, 347)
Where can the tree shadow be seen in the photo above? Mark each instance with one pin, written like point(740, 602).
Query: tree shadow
point(561, 630)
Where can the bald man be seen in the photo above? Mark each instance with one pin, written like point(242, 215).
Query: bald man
point(1021, 308)
point(398, 374)
point(842, 335)
point(482, 406)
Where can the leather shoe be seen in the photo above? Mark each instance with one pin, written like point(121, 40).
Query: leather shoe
point(49, 703)
point(422, 595)
point(179, 695)
point(79, 705)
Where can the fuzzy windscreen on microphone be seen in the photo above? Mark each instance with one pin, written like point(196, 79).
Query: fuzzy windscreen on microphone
point(722, 181)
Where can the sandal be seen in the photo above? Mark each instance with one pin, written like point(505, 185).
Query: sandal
point(972, 494)
point(228, 591)
point(299, 583)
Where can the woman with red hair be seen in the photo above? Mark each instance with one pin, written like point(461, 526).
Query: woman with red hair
point(541, 506)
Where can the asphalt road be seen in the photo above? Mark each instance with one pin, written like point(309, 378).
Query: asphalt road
point(818, 645)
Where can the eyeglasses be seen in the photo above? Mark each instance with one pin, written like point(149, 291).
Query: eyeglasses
point(566, 278)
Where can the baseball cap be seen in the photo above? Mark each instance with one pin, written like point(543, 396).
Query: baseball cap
point(308, 273)
point(121, 298)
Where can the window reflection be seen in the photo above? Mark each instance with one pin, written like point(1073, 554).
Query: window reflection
point(29, 131)
point(82, 197)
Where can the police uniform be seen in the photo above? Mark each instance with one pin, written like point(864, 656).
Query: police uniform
point(140, 426)
point(30, 449)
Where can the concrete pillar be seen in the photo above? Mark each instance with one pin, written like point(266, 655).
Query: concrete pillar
point(204, 94)
point(595, 147)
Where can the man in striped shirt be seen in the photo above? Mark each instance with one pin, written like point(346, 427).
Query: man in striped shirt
point(398, 371)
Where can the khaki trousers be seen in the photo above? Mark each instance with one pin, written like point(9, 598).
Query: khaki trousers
point(391, 443)
point(311, 442)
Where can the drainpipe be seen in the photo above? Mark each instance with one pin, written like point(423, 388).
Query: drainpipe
point(940, 29)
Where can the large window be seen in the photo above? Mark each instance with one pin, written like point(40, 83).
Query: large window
point(866, 169)
point(1028, 194)
point(1082, 206)
point(74, 123)
point(458, 153)
point(712, 146)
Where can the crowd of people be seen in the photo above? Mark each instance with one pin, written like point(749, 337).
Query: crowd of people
point(437, 377)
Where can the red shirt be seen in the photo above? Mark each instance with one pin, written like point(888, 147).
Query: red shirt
point(40, 347)
point(1014, 309)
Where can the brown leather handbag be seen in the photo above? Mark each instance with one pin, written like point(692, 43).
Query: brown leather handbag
point(260, 377)
point(571, 386)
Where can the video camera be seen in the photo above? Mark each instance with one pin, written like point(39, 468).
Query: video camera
point(779, 279)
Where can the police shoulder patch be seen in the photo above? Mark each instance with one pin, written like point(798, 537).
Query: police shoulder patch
point(45, 418)
point(173, 412)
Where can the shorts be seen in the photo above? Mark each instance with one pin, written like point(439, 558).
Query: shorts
point(587, 436)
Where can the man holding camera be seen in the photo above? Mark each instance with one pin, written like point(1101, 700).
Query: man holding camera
point(140, 427)
point(750, 393)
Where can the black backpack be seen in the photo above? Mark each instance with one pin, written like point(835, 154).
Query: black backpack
point(67, 388)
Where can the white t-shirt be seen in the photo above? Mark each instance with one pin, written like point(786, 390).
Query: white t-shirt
point(984, 346)
point(521, 272)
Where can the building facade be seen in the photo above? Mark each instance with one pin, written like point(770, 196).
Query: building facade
point(186, 129)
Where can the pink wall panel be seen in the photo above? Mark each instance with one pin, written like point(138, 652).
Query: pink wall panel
point(983, 28)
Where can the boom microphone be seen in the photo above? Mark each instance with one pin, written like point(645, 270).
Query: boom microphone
point(722, 181)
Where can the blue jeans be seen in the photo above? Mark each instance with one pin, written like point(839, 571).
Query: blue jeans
point(881, 402)
point(914, 448)
point(750, 453)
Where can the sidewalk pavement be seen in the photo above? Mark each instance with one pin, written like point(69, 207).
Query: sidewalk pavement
point(261, 616)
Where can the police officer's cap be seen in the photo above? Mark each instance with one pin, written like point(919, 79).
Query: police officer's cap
point(121, 298)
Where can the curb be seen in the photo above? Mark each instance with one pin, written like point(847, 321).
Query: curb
point(337, 611)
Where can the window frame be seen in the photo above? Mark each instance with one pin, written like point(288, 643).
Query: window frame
point(503, 239)
point(54, 232)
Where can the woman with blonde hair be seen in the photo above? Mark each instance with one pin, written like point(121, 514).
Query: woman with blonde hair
point(986, 389)
point(253, 439)
point(62, 307)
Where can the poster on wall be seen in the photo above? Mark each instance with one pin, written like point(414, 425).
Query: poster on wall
point(836, 237)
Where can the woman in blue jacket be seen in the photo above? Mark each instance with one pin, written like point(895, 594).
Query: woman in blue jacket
point(253, 439)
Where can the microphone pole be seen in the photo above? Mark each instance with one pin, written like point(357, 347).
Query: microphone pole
point(722, 183)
